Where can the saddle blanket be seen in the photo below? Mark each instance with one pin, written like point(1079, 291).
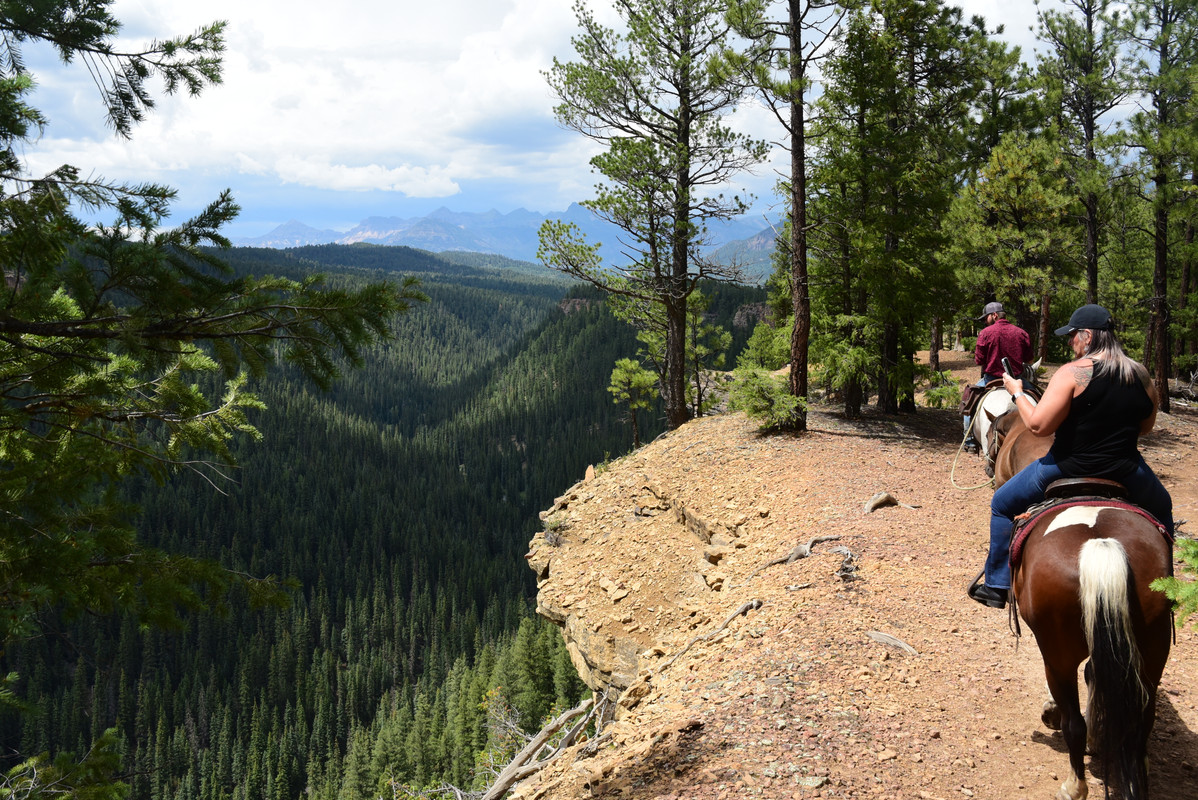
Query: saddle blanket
point(1027, 520)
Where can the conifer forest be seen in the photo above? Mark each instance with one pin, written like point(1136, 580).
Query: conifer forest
point(399, 504)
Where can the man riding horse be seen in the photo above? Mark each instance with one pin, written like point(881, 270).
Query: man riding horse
point(1097, 406)
point(998, 340)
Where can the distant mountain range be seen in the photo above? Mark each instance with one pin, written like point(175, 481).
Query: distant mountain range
point(513, 235)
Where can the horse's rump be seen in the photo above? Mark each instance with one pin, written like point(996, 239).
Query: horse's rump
point(1087, 512)
point(1046, 568)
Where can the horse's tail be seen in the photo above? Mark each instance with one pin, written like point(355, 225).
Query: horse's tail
point(1118, 697)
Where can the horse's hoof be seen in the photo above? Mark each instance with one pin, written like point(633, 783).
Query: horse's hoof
point(1073, 789)
point(1051, 716)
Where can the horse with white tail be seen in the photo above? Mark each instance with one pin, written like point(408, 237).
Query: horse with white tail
point(1079, 564)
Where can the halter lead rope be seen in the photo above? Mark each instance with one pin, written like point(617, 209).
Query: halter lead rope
point(952, 475)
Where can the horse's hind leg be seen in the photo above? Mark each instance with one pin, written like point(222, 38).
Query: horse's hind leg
point(1050, 714)
point(1062, 685)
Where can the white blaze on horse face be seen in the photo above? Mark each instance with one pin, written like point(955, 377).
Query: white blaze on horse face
point(1076, 515)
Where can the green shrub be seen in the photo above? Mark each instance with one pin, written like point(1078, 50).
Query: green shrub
point(768, 347)
point(944, 396)
point(942, 390)
point(762, 397)
point(1183, 593)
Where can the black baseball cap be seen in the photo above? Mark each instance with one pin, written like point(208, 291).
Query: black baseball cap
point(1095, 318)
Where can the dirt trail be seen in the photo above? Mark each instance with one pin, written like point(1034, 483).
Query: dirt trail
point(802, 698)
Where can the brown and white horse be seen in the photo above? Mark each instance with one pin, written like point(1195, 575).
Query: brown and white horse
point(1082, 586)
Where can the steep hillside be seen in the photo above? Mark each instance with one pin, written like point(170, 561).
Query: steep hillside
point(856, 672)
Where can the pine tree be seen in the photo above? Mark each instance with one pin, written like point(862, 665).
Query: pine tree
point(1009, 228)
point(125, 351)
point(651, 98)
point(1164, 38)
point(894, 127)
point(780, 65)
point(635, 387)
point(1085, 71)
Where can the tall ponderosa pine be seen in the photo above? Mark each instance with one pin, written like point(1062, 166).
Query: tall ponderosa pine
point(780, 66)
point(649, 96)
point(1164, 38)
point(1084, 72)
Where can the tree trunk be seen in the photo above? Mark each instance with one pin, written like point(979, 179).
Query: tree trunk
point(799, 290)
point(936, 343)
point(1159, 303)
point(1045, 329)
point(677, 412)
point(1091, 246)
point(1184, 343)
point(674, 392)
point(887, 371)
point(906, 373)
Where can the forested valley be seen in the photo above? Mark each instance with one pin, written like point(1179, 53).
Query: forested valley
point(400, 503)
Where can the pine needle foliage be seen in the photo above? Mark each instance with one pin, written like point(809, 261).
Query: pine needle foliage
point(126, 349)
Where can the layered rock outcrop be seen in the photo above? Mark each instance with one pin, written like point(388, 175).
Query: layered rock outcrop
point(628, 564)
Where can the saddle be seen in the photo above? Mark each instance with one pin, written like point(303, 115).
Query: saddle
point(1069, 492)
point(972, 394)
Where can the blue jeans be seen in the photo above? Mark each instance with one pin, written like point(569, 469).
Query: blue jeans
point(1027, 487)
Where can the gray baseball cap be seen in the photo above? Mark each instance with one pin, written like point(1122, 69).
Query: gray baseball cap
point(991, 308)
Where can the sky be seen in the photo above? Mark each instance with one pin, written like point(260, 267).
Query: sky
point(331, 113)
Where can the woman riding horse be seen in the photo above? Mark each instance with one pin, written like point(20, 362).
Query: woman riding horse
point(1098, 406)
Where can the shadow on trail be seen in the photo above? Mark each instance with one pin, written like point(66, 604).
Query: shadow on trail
point(933, 426)
point(1172, 754)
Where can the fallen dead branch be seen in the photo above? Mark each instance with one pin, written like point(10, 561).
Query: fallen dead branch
point(752, 605)
point(531, 759)
point(848, 567)
point(892, 641)
point(799, 551)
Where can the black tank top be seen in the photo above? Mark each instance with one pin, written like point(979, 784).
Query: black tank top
point(1099, 437)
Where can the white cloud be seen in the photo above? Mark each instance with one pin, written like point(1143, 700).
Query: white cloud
point(371, 95)
point(412, 97)
point(416, 181)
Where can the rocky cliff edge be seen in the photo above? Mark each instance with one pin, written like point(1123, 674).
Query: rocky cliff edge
point(732, 660)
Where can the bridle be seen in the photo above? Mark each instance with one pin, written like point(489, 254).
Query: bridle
point(994, 440)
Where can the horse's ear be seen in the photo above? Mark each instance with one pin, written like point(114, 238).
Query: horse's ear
point(1036, 366)
point(989, 415)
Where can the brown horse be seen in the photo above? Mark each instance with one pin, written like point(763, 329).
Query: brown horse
point(1082, 586)
point(1010, 446)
